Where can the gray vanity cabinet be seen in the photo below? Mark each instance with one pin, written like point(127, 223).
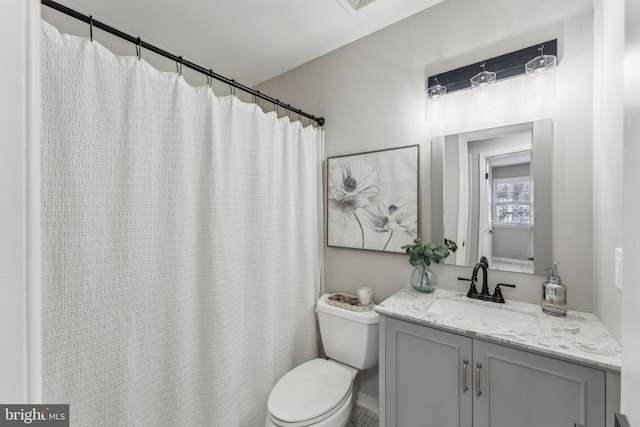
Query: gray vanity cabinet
point(518, 388)
point(424, 381)
point(434, 378)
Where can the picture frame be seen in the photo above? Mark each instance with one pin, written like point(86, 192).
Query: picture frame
point(373, 199)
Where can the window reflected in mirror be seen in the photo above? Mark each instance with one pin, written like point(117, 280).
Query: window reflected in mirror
point(491, 193)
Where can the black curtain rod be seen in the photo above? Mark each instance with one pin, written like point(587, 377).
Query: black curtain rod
point(178, 59)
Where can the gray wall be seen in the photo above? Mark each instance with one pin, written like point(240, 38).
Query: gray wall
point(510, 171)
point(608, 157)
point(511, 243)
point(372, 95)
point(631, 206)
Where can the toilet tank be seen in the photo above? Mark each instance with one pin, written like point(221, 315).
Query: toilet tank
point(349, 337)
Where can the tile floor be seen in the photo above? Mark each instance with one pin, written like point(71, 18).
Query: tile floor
point(361, 417)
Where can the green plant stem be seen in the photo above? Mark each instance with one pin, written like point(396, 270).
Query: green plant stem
point(361, 228)
point(426, 276)
point(385, 245)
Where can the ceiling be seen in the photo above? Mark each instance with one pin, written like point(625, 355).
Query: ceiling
point(250, 41)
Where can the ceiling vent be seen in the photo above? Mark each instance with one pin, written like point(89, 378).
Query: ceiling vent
point(353, 6)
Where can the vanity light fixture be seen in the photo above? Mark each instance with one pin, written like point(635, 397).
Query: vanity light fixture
point(483, 78)
point(541, 62)
point(437, 90)
point(541, 56)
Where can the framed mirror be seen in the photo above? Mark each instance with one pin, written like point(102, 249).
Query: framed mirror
point(491, 194)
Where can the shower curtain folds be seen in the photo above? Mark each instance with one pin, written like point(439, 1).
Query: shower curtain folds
point(181, 244)
point(178, 59)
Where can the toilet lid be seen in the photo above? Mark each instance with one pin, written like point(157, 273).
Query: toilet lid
point(309, 391)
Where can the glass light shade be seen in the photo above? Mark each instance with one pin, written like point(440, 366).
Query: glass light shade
point(540, 63)
point(483, 78)
point(436, 91)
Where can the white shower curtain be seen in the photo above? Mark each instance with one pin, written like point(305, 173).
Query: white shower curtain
point(181, 239)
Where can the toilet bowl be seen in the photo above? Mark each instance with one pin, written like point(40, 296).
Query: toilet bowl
point(319, 393)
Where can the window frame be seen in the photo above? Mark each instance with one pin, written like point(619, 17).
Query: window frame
point(495, 203)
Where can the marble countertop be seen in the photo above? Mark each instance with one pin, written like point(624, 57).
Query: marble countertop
point(578, 336)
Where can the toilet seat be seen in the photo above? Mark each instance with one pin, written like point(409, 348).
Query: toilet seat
point(309, 393)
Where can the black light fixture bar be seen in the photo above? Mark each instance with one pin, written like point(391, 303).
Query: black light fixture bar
point(505, 66)
point(178, 59)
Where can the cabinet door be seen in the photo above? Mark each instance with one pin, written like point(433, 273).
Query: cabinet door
point(524, 389)
point(425, 377)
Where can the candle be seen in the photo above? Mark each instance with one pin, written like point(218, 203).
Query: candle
point(365, 294)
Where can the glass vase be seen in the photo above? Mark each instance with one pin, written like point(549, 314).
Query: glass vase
point(423, 279)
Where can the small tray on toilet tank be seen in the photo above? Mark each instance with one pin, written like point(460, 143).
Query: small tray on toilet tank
point(348, 302)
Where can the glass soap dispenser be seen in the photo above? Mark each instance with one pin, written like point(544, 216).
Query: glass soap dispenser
point(554, 294)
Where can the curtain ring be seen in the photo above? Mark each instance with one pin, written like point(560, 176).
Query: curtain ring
point(210, 78)
point(232, 88)
point(289, 111)
point(179, 67)
point(276, 106)
point(91, 28)
point(139, 49)
point(258, 99)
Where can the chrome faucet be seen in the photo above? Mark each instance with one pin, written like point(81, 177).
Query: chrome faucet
point(484, 294)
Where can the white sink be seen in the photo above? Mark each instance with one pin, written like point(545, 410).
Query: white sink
point(493, 316)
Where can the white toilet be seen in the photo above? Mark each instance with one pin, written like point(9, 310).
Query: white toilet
point(319, 393)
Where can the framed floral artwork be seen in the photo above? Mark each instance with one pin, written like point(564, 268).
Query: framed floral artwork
point(373, 199)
